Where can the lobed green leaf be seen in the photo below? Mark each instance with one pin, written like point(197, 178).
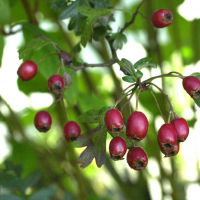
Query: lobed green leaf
point(143, 63)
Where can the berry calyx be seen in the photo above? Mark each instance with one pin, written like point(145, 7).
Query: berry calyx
point(182, 129)
point(167, 136)
point(137, 126)
point(162, 18)
point(117, 148)
point(43, 121)
point(56, 84)
point(114, 121)
point(170, 152)
point(27, 70)
point(137, 158)
point(65, 57)
point(71, 131)
point(192, 86)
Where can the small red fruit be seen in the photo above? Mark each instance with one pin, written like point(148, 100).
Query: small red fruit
point(192, 86)
point(114, 121)
point(170, 152)
point(56, 84)
point(117, 148)
point(137, 126)
point(137, 158)
point(162, 18)
point(43, 121)
point(182, 129)
point(167, 136)
point(27, 70)
point(71, 131)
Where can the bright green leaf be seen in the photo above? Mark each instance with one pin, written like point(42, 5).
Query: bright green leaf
point(144, 62)
point(119, 40)
point(139, 74)
point(26, 51)
point(126, 66)
point(129, 79)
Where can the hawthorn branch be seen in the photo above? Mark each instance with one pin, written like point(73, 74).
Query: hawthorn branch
point(127, 24)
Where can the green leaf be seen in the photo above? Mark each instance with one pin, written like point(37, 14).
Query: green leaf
point(95, 140)
point(197, 101)
point(129, 79)
point(10, 197)
point(69, 11)
point(127, 67)
point(100, 3)
point(31, 179)
point(139, 74)
point(91, 116)
point(93, 13)
point(119, 40)
point(5, 12)
point(43, 194)
point(143, 63)
point(26, 51)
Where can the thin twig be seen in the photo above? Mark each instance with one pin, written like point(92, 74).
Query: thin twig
point(127, 24)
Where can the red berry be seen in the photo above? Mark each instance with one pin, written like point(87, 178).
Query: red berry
point(56, 84)
point(192, 86)
point(182, 129)
point(137, 126)
point(167, 136)
point(162, 18)
point(137, 158)
point(27, 70)
point(71, 131)
point(114, 121)
point(170, 152)
point(43, 121)
point(117, 148)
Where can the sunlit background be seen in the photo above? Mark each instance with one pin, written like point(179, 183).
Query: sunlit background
point(189, 155)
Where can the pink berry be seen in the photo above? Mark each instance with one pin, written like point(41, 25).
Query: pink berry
point(192, 86)
point(167, 136)
point(182, 129)
point(27, 70)
point(137, 158)
point(71, 131)
point(56, 84)
point(117, 148)
point(114, 121)
point(162, 18)
point(43, 121)
point(137, 126)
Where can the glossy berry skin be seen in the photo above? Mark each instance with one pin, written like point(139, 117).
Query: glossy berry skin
point(56, 84)
point(192, 86)
point(170, 152)
point(71, 131)
point(43, 121)
point(137, 158)
point(182, 129)
point(167, 136)
point(117, 148)
point(114, 121)
point(27, 70)
point(162, 18)
point(137, 126)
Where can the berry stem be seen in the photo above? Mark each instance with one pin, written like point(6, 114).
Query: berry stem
point(52, 54)
point(171, 107)
point(58, 68)
point(123, 91)
point(65, 109)
point(170, 74)
point(157, 105)
point(129, 99)
point(137, 100)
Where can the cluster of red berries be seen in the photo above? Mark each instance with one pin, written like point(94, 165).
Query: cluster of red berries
point(169, 136)
point(56, 84)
